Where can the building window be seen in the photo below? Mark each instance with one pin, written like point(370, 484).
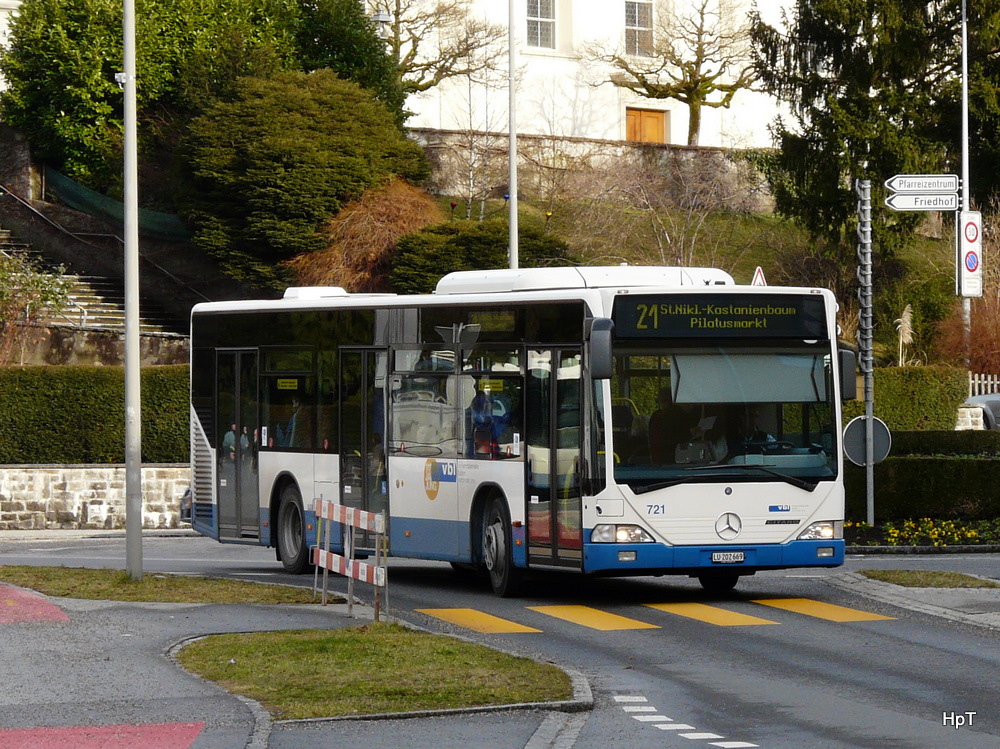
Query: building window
point(638, 28)
point(645, 126)
point(542, 23)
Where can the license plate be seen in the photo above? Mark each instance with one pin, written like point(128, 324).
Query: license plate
point(728, 557)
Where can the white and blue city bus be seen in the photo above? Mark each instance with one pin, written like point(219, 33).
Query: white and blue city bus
point(605, 420)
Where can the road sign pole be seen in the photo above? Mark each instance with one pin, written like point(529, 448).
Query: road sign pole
point(966, 301)
point(863, 189)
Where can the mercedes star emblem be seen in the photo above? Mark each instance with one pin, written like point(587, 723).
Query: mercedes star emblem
point(728, 526)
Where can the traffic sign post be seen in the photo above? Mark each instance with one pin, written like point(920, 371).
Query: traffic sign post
point(969, 254)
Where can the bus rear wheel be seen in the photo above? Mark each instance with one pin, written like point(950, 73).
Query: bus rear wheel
point(505, 579)
point(718, 582)
point(292, 531)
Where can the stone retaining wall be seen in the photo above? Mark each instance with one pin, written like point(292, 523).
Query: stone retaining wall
point(37, 497)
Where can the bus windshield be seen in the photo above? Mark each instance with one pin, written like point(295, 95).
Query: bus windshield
point(742, 411)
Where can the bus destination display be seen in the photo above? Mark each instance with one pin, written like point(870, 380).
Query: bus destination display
point(725, 315)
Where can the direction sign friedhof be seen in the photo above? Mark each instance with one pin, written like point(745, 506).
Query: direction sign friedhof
point(904, 201)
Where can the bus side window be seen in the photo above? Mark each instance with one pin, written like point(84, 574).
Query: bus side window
point(493, 428)
point(287, 411)
point(425, 417)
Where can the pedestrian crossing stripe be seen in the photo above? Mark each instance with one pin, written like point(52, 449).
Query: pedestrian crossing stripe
point(478, 621)
point(710, 614)
point(586, 616)
point(820, 610)
point(593, 618)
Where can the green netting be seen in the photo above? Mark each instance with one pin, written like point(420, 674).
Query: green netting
point(151, 223)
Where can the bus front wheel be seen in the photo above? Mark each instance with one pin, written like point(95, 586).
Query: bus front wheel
point(504, 577)
point(292, 531)
point(718, 582)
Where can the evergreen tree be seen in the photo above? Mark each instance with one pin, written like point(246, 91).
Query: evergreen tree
point(283, 156)
point(337, 34)
point(873, 86)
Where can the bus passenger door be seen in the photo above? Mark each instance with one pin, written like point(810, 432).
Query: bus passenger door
point(362, 433)
point(553, 440)
point(238, 440)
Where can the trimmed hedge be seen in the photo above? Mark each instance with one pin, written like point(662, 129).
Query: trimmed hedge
point(968, 443)
point(915, 398)
point(77, 414)
point(927, 487)
point(946, 475)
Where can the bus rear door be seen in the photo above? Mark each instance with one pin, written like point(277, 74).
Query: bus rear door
point(236, 422)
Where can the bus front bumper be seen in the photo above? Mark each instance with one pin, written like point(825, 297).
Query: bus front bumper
point(659, 559)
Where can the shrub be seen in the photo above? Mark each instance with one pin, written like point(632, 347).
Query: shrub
point(77, 414)
point(286, 154)
point(422, 258)
point(361, 238)
point(937, 487)
point(916, 398)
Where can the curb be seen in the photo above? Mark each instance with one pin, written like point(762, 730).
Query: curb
point(891, 594)
point(957, 549)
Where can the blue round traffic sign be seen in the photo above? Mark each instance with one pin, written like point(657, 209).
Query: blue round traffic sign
point(971, 262)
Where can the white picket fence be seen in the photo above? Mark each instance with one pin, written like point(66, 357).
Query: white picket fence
point(981, 384)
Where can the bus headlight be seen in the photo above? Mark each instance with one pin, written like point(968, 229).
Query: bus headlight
point(827, 530)
point(619, 534)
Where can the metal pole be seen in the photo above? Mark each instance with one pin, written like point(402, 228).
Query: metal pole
point(133, 424)
point(866, 326)
point(966, 301)
point(512, 136)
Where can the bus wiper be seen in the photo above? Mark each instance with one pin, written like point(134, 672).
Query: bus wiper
point(793, 480)
point(661, 485)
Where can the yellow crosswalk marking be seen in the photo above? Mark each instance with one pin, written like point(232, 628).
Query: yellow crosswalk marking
point(592, 618)
point(821, 610)
point(477, 621)
point(710, 614)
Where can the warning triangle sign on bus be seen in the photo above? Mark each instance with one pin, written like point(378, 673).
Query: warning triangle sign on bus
point(758, 277)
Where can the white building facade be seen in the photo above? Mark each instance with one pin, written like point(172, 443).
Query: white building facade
point(562, 92)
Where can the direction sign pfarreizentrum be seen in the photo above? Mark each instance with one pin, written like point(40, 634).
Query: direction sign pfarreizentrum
point(923, 183)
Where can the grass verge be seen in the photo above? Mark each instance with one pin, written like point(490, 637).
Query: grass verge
point(381, 668)
point(116, 585)
point(318, 673)
point(928, 579)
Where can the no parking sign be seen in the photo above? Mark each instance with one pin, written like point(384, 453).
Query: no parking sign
point(970, 254)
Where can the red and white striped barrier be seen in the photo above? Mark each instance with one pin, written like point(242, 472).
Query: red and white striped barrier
point(366, 573)
point(328, 512)
point(366, 521)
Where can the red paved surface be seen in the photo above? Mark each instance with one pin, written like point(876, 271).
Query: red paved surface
point(18, 605)
point(148, 736)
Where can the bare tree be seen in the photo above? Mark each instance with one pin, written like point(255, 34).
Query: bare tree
point(437, 40)
point(657, 208)
point(700, 57)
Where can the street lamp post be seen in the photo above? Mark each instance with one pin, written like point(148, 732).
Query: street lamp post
point(133, 424)
point(512, 137)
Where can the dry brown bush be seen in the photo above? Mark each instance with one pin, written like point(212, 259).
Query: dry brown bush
point(362, 237)
point(983, 341)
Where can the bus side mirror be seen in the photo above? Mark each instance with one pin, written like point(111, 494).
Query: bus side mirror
point(601, 362)
point(848, 375)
